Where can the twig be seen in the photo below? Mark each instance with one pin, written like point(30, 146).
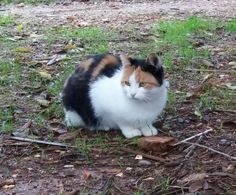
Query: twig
point(40, 142)
point(192, 148)
point(213, 150)
point(222, 110)
point(192, 137)
point(156, 158)
point(107, 185)
point(208, 70)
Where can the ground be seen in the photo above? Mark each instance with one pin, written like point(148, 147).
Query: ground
point(42, 44)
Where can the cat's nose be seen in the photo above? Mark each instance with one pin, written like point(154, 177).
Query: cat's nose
point(133, 95)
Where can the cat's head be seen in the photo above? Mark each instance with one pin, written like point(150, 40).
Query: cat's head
point(142, 79)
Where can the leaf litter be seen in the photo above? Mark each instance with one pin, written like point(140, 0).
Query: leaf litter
point(199, 171)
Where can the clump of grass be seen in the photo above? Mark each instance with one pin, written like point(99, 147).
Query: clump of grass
point(6, 20)
point(175, 36)
point(230, 25)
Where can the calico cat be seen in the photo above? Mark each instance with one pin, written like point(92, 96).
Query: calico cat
point(109, 92)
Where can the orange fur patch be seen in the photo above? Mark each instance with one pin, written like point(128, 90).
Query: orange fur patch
point(147, 79)
point(109, 60)
point(85, 65)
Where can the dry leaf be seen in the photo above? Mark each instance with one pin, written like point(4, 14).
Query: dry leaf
point(193, 177)
point(87, 175)
point(231, 86)
point(45, 75)
point(56, 58)
point(58, 127)
point(67, 136)
point(157, 143)
point(42, 101)
point(23, 49)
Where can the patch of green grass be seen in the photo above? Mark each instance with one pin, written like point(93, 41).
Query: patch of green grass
point(176, 37)
point(230, 25)
point(28, 1)
point(6, 120)
point(6, 20)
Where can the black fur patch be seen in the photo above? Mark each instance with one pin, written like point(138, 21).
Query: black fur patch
point(76, 92)
point(157, 72)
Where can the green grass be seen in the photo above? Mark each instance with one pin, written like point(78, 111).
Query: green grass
point(6, 20)
point(230, 25)
point(176, 36)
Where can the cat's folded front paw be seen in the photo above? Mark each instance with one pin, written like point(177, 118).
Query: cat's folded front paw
point(129, 132)
point(149, 131)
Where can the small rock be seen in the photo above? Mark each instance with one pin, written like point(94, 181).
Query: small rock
point(144, 163)
point(20, 5)
point(224, 142)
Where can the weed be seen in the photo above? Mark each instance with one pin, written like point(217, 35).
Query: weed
point(230, 25)
point(176, 36)
point(6, 20)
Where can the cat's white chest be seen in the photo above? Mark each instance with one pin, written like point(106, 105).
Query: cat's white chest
point(112, 106)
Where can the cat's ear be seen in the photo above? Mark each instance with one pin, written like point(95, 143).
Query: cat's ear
point(153, 60)
point(125, 60)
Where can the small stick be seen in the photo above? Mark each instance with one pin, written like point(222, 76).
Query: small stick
point(222, 110)
point(208, 70)
point(199, 134)
point(213, 150)
point(107, 185)
point(156, 158)
point(40, 142)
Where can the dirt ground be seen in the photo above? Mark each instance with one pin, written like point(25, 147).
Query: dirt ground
point(27, 168)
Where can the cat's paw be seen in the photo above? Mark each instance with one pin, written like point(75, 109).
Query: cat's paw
point(149, 130)
point(129, 132)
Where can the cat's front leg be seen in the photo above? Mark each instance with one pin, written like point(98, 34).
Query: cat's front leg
point(149, 130)
point(130, 132)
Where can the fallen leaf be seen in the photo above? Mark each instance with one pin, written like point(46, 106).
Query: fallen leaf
point(231, 86)
point(7, 182)
point(42, 101)
point(23, 49)
point(157, 143)
point(120, 174)
point(68, 166)
point(193, 177)
point(20, 5)
point(20, 28)
point(70, 19)
point(87, 175)
point(58, 127)
point(138, 157)
point(45, 75)
point(56, 58)
point(198, 113)
point(67, 136)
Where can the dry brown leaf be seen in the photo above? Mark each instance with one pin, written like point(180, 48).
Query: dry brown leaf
point(193, 177)
point(86, 175)
point(67, 136)
point(157, 143)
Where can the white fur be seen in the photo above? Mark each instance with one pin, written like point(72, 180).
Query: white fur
point(73, 119)
point(116, 107)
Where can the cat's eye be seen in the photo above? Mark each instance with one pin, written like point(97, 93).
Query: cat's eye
point(127, 83)
point(141, 84)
